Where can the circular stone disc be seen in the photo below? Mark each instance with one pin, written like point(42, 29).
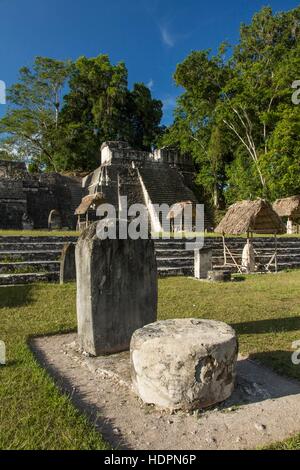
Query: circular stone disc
point(184, 363)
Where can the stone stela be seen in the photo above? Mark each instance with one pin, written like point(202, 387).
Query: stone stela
point(116, 290)
point(202, 263)
point(67, 264)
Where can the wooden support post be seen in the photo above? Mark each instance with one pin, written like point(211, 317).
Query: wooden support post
point(224, 249)
point(276, 260)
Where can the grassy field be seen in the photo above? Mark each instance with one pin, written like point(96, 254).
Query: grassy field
point(264, 310)
point(38, 233)
point(70, 233)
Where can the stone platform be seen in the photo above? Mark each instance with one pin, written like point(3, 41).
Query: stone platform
point(263, 409)
point(172, 257)
point(185, 363)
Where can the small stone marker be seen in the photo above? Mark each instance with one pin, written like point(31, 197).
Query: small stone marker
point(184, 364)
point(219, 276)
point(27, 223)
point(203, 262)
point(67, 264)
point(116, 290)
point(54, 220)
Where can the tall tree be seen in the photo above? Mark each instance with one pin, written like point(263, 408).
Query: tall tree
point(90, 114)
point(30, 126)
point(245, 103)
point(196, 129)
point(100, 107)
point(65, 134)
point(143, 115)
point(264, 61)
point(4, 155)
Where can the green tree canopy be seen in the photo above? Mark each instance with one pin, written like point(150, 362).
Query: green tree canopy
point(66, 133)
point(236, 116)
point(31, 124)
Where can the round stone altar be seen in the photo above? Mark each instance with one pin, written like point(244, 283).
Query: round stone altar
point(184, 364)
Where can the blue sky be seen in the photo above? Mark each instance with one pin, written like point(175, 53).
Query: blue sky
point(151, 36)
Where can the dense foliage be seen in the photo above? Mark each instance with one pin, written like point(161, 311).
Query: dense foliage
point(236, 115)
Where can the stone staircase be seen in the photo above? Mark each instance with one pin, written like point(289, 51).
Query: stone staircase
point(33, 259)
point(167, 186)
point(25, 260)
point(173, 259)
point(288, 251)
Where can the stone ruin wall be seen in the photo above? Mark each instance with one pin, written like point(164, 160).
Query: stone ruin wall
point(120, 172)
point(161, 177)
point(36, 195)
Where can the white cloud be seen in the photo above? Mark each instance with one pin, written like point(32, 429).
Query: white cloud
point(150, 84)
point(169, 102)
point(167, 37)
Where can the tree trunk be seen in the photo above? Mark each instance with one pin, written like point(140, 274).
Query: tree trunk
point(216, 196)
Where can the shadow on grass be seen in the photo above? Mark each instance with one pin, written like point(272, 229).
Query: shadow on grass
point(93, 412)
point(271, 325)
point(239, 278)
point(15, 296)
point(12, 363)
point(279, 361)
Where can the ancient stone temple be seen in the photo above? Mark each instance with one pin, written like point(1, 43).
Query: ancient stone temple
point(161, 177)
point(27, 197)
point(151, 179)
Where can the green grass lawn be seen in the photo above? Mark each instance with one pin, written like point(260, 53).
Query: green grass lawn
point(264, 310)
point(38, 233)
point(72, 233)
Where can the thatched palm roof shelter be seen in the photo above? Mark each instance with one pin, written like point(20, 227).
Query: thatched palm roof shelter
point(288, 207)
point(178, 208)
point(88, 201)
point(251, 217)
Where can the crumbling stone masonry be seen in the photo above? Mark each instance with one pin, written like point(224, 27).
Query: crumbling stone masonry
point(116, 290)
point(152, 179)
point(32, 197)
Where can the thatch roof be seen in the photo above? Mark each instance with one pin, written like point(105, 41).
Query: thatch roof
point(93, 199)
point(251, 216)
point(288, 207)
point(178, 208)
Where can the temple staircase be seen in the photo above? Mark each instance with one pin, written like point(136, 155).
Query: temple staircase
point(33, 259)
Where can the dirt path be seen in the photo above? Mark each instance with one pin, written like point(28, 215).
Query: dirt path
point(264, 407)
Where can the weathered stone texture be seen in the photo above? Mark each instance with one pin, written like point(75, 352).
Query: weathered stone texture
point(202, 263)
point(36, 195)
point(116, 290)
point(219, 276)
point(67, 264)
point(184, 364)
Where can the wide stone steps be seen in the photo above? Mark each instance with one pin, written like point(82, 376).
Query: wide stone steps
point(29, 266)
point(175, 271)
point(173, 253)
point(28, 278)
point(36, 259)
point(39, 246)
point(30, 259)
point(15, 256)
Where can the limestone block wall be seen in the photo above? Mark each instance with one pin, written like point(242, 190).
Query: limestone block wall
point(37, 196)
point(13, 204)
point(148, 183)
